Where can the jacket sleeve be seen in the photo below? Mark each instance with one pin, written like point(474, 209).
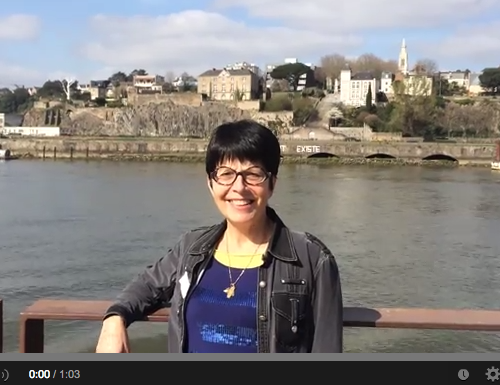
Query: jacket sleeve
point(149, 291)
point(327, 307)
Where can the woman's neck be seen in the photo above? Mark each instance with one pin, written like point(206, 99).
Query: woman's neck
point(246, 238)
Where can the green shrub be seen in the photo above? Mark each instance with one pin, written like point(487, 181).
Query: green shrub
point(278, 103)
point(304, 110)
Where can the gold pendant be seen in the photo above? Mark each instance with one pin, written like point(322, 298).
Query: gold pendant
point(230, 291)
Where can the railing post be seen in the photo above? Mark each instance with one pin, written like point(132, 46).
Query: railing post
point(31, 336)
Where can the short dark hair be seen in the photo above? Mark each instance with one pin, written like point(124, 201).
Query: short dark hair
point(243, 140)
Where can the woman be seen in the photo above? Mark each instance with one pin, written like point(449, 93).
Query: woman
point(246, 285)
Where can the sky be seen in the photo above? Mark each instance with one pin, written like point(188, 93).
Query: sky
point(91, 39)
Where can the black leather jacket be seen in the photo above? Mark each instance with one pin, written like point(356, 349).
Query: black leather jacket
point(299, 303)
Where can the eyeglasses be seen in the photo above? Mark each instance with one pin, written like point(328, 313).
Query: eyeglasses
point(252, 176)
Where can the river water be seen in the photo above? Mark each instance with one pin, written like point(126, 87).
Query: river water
point(403, 237)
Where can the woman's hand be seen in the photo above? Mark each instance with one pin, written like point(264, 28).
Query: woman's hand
point(113, 337)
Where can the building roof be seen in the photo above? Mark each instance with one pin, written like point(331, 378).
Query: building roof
point(215, 72)
point(365, 75)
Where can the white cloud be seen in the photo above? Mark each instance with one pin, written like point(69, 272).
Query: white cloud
point(19, 27)
point(196, 40)
point(358, 15)
point(17, 75)
point(479, 44)
point(13, 75)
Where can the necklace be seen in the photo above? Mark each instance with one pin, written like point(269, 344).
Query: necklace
point(230, 291)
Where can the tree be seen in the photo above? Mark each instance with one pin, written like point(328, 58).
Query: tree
point(369, 98)
point(136, 72)
point(169, 77)
point(130, 77)
point(281, 85)
point(291, 72)
point(374, 64)
point(332, 65)
point(66, 87)
point(51, 89)
point(320, 77)
point(490, 80)
point(426, 66)
point(477, 119)
point(15, 101)
point(118, 78)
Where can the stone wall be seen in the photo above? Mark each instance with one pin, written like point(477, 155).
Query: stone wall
point(249, 105)
point(46, 104)
point(305, 133)
point(92, 147)
point(387, 137)
point(358, 133)
point(166, 119)
point(181, 98)
point(281, 122)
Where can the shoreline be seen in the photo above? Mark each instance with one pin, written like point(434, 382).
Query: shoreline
point(290, 160)
point(294, 152)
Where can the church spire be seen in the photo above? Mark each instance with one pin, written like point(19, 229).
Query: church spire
point(403, 59)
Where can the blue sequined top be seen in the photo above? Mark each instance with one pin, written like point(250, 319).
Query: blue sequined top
point(216, 324)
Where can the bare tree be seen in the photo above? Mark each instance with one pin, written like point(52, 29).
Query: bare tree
point(319, 75)
point(372, 63)
point(331, 65)
point(280, 85)
point(479, 119)
point(169, 77)
point(66, 84)
point(426, 66)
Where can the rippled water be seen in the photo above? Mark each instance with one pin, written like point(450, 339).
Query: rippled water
point(403, 237)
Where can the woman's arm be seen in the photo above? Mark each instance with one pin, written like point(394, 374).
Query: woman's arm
point(152, 289)
point(327, 306)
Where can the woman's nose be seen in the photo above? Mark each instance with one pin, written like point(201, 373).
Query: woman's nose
point(239, 183)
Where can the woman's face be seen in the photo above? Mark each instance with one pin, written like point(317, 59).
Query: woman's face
point(241, 201)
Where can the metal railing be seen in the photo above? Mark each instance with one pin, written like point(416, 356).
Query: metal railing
point(31, 338)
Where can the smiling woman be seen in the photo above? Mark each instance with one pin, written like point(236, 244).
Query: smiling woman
point(246, 285)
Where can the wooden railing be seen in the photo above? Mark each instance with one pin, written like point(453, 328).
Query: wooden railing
point(33, 318)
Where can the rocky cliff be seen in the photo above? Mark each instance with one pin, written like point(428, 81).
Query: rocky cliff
point(155, 119)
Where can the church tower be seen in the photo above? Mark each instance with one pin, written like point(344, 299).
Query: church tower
point(403, 59)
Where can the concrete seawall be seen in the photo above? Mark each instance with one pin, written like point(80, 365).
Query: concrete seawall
point(129, 148)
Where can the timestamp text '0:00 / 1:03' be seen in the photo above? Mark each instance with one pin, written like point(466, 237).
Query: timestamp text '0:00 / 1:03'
point(41, 374)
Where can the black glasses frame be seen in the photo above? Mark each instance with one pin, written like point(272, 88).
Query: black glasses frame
point(243, 174)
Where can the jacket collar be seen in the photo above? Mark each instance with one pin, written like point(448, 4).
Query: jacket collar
point(280, 246)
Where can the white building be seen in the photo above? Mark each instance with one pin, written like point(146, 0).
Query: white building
point(354, 88)
point(148, 83)
point(184, 81)
point(32, 131)
point(386, 80)
point(459, 78)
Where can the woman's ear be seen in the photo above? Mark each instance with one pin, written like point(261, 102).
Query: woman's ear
point(209, 184)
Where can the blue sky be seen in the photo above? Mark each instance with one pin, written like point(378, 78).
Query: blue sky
point(91, 39)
